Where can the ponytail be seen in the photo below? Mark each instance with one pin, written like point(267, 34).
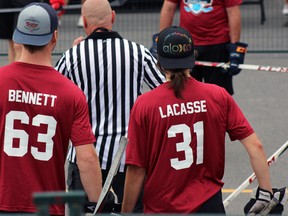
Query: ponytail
point(178, 78)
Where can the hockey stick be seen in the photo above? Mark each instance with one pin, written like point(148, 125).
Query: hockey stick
point(252, 177)
point(244, 66)
point(112, 172)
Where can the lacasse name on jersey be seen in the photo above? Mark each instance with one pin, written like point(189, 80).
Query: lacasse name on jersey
point(183, 108)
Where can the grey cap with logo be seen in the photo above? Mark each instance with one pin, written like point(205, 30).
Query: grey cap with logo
point(36, 24)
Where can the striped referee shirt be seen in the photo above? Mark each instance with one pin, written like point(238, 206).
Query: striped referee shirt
point(111, 72)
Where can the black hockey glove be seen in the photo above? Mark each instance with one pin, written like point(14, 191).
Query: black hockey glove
point(236, 56)
point(89, 207)
point(108, 207)
point(263, 202)
point(153, 49)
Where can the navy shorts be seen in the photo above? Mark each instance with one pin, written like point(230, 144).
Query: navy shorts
point(213, 206)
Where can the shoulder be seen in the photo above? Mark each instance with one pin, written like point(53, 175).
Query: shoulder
point(212, 91)
point(231, 3)
point(134, 44)
point(151, 97)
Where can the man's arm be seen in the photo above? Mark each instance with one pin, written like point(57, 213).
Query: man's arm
point(258, 161)
point(133, 184)
point(167, 14)
point(234, 17)
point(90, 172)
point(153, 77)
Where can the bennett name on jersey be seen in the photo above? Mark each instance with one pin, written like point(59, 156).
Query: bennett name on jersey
point(183, 108)
point(40, 99)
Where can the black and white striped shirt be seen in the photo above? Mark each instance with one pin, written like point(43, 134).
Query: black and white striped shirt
point(111, 72)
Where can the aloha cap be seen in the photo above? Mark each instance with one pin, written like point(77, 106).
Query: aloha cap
point(36, 24)
point(175, 48)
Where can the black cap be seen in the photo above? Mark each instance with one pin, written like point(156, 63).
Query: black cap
point(175, 48)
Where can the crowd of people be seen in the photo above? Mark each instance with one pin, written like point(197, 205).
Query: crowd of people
point(94, 95)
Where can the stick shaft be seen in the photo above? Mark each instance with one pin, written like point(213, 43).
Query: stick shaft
point(252, 177)
point(112, 172)
point(244, 66)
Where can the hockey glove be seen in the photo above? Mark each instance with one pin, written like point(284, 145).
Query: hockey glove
point(108, 207)
point(153, 49)
point(236, 56)
point(58, 6)
point(263, 202)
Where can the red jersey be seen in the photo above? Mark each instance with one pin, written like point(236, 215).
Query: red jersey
point(40, 111)
point(181, 144)
point(207, 21)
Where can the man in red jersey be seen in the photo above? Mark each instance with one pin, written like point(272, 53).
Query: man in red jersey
point(41, 111)
point(176, 138)
point(215, 26)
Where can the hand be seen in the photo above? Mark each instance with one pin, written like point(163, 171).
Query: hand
point(263, 202)
point(108, 207)
point(58, 6)
point(89, 207)
point(236, 56)
point(279, 197)
point(78, 40)
point(153, 49)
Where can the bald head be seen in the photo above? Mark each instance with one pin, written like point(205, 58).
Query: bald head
point(97, 13)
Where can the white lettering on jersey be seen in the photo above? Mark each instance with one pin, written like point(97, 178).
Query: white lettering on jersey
point(183, 108)
point(39, 99)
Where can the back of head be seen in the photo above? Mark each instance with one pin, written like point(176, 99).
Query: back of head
point(97, 12)
point(176, 54)
point(36, 25)
point(175, 48)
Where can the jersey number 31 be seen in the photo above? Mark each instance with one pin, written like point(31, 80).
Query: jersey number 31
point(185, 145)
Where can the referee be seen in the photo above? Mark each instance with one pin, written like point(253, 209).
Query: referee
point(111, 72)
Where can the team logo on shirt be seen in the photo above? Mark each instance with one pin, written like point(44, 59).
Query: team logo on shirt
point(198, 6)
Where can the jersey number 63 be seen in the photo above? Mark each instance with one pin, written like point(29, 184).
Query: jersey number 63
point(11, 133)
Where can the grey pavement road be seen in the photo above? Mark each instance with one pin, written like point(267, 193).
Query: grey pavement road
point(263, 96)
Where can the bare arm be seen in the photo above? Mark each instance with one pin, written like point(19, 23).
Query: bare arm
point(133, 184)
point(167, 14)
point(234, 17)
point(90, 172)
point(258, 160)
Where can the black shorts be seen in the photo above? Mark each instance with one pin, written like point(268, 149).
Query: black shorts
point(213, 206)
point(8, 21)
point(214, 75)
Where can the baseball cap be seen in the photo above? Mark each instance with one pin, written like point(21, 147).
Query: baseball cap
point(36, 24)
point(175, 48)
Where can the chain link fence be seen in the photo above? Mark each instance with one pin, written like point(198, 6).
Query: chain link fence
point(138, 20)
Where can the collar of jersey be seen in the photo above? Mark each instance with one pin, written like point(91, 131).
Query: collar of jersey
point(104, 35)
